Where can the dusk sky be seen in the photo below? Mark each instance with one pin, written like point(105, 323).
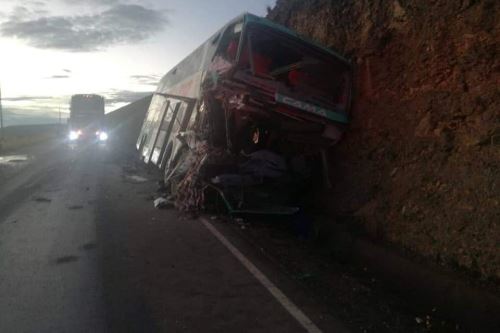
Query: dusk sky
point(50, 50)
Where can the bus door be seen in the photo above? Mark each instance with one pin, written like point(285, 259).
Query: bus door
point(179, 124)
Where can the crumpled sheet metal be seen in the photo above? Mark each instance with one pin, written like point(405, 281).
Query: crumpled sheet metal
point(189, 196)
point(190, 190)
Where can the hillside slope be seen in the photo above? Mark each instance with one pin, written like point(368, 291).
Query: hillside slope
point(419, 166)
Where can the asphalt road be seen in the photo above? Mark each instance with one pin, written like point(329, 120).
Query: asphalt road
point(83, 250)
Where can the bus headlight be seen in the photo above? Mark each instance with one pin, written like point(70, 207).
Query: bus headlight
point(103, 136)
point(73, 135)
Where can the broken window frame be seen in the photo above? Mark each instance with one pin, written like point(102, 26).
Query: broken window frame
point(338, 112)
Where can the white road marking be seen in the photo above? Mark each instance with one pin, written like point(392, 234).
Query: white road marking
point(275, 291)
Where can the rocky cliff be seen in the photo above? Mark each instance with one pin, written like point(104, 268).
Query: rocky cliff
point(420, 164)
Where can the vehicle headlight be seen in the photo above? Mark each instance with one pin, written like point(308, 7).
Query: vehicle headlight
point(73, 135)
point(103, 136)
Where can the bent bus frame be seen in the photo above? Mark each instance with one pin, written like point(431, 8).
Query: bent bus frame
point(253, 78)
point(183, 85)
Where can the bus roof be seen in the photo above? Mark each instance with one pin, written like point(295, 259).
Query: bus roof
point(166, 84)
point(263, 21)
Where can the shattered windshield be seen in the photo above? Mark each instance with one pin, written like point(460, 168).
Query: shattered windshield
point(303, 70)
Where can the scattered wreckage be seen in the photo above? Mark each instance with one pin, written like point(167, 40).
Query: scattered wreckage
point(241, 120)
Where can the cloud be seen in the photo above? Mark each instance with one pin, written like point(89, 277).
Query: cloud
point(34, 109)
point(147, 80)
point(59, 77)
point(26, 98)
point(19, 116)
point(24, 110)
point(119, 24)
point(98, 2)
point(28, 110)
point(124, 96)
point(20, 12)
point(35, 3)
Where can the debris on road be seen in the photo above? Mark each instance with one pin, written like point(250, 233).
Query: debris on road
point(135, 179)
point(304, 276)
point(14, 159)
point(89, 246)
point(162, 203)
point(66, 259)
point(42, 199)
point(161, 186)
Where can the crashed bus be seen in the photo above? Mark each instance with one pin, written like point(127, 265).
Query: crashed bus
point(245, 118)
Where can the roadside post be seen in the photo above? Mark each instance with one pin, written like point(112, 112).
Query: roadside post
point(1, 120)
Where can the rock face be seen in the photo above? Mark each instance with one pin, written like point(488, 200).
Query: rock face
point(421, 162)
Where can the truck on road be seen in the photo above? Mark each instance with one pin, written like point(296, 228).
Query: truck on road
point(86, 118)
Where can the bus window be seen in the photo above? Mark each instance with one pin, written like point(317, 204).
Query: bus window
point(229, 43)
point(302, 70)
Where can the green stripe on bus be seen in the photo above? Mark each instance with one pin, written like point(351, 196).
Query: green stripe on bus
point(319, 111)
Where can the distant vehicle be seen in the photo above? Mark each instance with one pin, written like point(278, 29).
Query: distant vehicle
point(86, 118)
point(253, 87)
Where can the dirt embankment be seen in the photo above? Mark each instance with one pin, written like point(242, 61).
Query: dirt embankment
point(420, 165)
point(125, 123)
